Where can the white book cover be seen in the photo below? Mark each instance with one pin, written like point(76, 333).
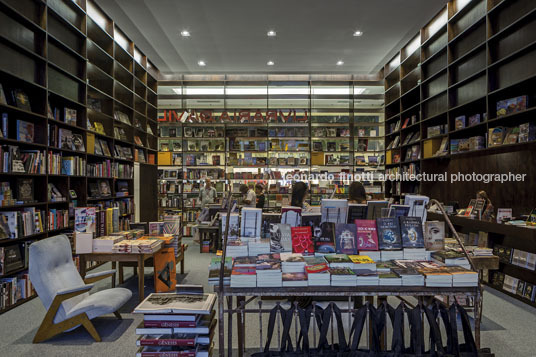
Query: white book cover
point(251, 222)
point(334, 210)
point(176, 303)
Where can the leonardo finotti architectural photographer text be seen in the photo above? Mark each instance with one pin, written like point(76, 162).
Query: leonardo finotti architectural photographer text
point(422, 177)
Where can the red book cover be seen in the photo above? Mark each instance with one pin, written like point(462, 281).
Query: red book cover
point(367, 236)
point(302, 240)
point(317, 268)
point(163, 324)
point(167, 340)
point(160, 352)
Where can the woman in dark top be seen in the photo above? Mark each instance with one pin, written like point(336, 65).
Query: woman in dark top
point(260, 195)
point(357, 193)
point(299, 195)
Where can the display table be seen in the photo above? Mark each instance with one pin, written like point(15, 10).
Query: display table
point(239, 307)
point(138, 258)
point(209, 233)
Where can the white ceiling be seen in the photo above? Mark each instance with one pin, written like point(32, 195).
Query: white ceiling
point(230, 35)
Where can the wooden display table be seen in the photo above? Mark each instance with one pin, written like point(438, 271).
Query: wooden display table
point(114, 258)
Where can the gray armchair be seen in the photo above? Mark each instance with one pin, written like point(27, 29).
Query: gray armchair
point(63, 292)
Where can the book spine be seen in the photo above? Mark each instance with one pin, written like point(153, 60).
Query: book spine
point(167, 342)
point(163, 324)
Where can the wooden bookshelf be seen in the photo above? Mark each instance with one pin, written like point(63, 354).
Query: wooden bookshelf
point(346, 111)
point(467, 58)
point(69, 54)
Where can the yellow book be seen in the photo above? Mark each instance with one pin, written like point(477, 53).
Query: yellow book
point(109, 221)
point(90, 143)
point(361, 259)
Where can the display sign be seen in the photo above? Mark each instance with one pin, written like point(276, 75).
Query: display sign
point(235, 116)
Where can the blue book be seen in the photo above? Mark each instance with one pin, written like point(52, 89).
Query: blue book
point(345, 238)
point(411, 230)
point(388, 233)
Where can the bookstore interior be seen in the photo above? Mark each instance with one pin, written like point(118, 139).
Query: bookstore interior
point(172, 185)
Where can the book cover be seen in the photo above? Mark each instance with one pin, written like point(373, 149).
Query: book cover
point(25, 131)
point(291, 215)
point(78, 143)
point(21, 100)
point(280, 238)
point(345, 238)
point(434, 235)
point(324, 240)
point(25, 190)
point(388, 233)
point(104, 188)
point(356, 211)
point(302, 241)
point(367, 236)
point(8, 225)
point(69, 116)
point(411, 230)
point(177, 304)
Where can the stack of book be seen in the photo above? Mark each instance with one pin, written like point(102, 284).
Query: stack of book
point(258, 246)
point(176, 325)
point(390, 279)
point(437, 277)
point(387, 255)
point(410, 276)
point(295, 279)
point(236, 248)
point(339, 261)
point(451, 257)
point(375, 255)
point(463, 277)
point(268, 268)
point(362, 262)
point(214, 271)
point(366, 277)
point(342, 277)
point(244, 272)
point(416, 254)
point(292, 263)
point(317, 271)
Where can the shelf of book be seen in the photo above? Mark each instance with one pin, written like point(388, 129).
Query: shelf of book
point(471, 69)
point(18, 303)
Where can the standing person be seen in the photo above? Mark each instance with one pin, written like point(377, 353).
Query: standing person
point(207, 194)
point(251, 199)
point(357, 193)
point(260, 195)
point(300, 193)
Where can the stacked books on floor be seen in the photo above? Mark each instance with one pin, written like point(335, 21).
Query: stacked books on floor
point(176, 325)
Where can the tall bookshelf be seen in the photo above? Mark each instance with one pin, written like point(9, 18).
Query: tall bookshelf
point(69, 55)
point(344, 112)
point(468, 58)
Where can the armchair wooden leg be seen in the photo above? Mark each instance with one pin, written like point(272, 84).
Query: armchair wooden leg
point(90, 328)
point(48, 330)
point(118, 315)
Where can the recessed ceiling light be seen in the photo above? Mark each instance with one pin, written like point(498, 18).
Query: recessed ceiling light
point(358, 33)
point(270, 63)
point(340, 63)
point(202, 63)
point(185, 33)
point(271, 33)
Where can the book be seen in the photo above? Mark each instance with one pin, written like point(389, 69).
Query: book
point(159, 303)
point(345, 238)
point(324, 241)
point(104, 188)
point(459, 122)
point(69, 116)
point(78, 143)
point(25, 190)
point(302, 241)
point(3, 98)
point(356, 211)
point(25, 131)
point(411, 231)
point(434, 235)
point(65, 139)
point(280, 238)
point(21, 100)
point(334, 210)
point(374, 208)
point(291, 215)
point(366, 233)
point(388, 233)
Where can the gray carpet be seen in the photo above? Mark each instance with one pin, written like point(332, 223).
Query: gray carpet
point(508, 325)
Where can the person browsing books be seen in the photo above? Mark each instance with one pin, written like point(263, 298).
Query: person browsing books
point(260, 195)
point(357, 193)
point(251, 199)
point(207, 194)
point(300, 193)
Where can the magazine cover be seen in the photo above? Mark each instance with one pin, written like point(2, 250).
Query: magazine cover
point(345, 238)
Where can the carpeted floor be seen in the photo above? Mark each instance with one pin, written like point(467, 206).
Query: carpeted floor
point(508, 325)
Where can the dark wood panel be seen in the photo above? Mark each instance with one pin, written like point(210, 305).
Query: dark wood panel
point(19, 34)
point(469, 18)
point(434, 46)
point(470, 91)
point(434, 65)
point(435, 106)
point(393, 93)
point(66, 61)
point(29, 8)
point(514, 41)
point(514, 71)
point(468, 67)
point(19, 64)
point(465, 44)
point(65, 86)
point(66, 35)
point(68, 13)
point(509, 13)
point(435, 86)
point(148, 193)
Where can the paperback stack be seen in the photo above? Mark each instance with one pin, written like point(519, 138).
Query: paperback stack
point(176, 325)
point(317, 271)
point(436, 277)
point(236, 248)
point(366, 277)
point(339, 261)
point(385, 267)
point(214, 271)
point(258, 246)
point(410, 276)
point(387, 255)
point(390, 279)
point(416, 254)
point(463, 277)
point(372, 254)
point(482, 252)
point(244, 273)
point(268, 268)
point(342, 277)
point(295, 279)
point(451, 257)
point(292, 263)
